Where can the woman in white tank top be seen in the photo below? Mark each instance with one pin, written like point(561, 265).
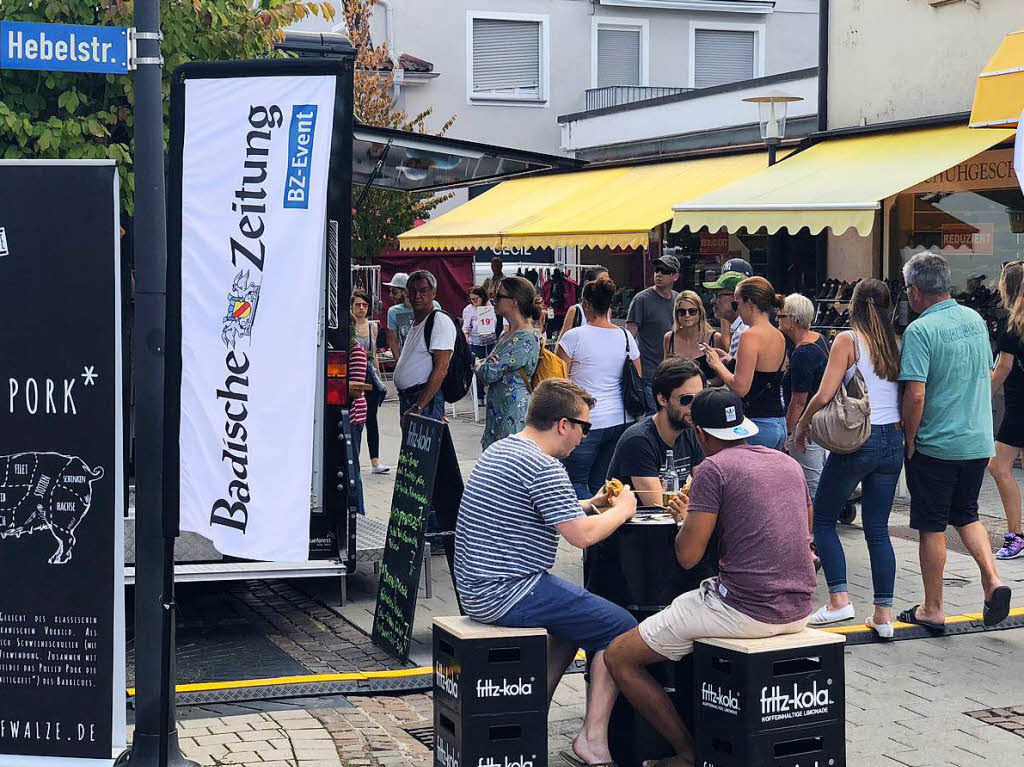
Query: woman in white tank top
point(876, 465)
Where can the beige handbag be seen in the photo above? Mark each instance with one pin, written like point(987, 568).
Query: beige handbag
point(844, 424)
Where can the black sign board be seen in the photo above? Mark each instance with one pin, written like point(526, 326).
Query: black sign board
point(403, 551)
point(61, 477)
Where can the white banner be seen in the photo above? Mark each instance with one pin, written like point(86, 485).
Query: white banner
point(254, 196)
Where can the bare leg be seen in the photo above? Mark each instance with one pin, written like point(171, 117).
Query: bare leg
point(975, 538)
point(591, 745)
point(1001, 469)
point(628, 657)
point(932, 550)
point(560, 655)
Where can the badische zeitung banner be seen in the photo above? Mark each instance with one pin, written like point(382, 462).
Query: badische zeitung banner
point(254, 178)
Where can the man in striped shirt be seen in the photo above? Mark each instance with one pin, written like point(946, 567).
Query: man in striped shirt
point(517, 501)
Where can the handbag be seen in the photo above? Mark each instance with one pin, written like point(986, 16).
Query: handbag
point(844, 424)
point(634, 401)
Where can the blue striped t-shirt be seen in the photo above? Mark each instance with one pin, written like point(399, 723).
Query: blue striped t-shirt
point(505, 537)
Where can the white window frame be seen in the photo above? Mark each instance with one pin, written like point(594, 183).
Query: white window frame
point(759, 46)
point(476, 99)
point(611, 22)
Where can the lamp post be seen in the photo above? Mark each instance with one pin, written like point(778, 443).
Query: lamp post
point(772, 108)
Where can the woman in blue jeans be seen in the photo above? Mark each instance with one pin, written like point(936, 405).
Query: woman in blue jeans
point(870, 347)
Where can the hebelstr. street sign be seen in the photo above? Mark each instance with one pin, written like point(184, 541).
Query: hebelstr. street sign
point(66, 47)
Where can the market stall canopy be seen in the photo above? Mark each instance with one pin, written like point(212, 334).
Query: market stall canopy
point(418, 162)
point(607, 207)
point(838, 183)
point(999, 95)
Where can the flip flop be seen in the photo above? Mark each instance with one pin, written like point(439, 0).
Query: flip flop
point(575, 761)
point(998, 607)
point(910, 616)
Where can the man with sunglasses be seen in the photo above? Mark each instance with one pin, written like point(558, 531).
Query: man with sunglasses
point(727, 310)
point(649, 318)
point(518, 500)
point(640, 455)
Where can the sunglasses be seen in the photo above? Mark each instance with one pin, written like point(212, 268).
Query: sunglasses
point(735, 306)
point(499, 296)
point(686, 399)
point(782, 316)
point(584, 425)
point(687, 312)
point(664, 271)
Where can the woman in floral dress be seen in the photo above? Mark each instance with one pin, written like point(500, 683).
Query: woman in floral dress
point(512, 362)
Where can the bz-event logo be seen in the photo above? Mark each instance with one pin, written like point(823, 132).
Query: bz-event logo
point(4, 251)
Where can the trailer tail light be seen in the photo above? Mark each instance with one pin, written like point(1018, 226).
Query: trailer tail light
point(337, 378)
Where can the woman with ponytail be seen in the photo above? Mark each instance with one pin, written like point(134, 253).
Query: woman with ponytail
point(512, 361)
point(1009, 374)
point(760, 362)
point(870, 346)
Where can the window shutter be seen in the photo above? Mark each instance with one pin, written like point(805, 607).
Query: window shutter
point(506, 57)
point(618, 57)
point(723, 56)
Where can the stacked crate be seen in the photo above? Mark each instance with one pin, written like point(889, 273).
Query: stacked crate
point(775, 702)
point(490, 695)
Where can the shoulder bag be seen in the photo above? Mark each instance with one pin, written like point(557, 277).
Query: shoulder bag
point(844, 424)
point(634, 402)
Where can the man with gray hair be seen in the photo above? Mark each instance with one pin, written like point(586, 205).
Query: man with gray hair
point(426, 353)
point(947, 422)
point(807, 364)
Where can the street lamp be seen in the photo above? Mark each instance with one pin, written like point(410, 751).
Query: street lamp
point(772, 107)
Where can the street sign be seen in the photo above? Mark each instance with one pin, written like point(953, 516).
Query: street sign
point(66, 47)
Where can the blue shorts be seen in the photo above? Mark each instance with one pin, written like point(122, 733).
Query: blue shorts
point(569, 612)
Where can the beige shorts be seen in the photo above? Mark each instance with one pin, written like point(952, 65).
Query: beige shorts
point(701, 614)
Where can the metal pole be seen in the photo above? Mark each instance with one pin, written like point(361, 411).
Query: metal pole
point(155, 741)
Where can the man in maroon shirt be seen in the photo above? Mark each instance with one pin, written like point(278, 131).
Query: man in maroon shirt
point(756, 500)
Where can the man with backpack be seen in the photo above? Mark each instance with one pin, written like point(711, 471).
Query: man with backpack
point(426, 353)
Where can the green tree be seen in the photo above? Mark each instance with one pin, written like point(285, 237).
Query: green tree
point(384, 214)
point(89, 116)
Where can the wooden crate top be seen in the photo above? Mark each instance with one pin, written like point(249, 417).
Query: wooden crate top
point(466, 628)
point(806, 638)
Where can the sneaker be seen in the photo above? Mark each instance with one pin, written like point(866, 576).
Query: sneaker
point(381, 469)
point(1013, 546)
point(824, 616)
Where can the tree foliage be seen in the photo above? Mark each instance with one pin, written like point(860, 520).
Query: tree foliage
point(69, 115)
point(384, 214)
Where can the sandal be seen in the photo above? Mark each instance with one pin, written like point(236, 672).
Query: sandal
point(575, 761)
point(998, 607)
point(910, 616)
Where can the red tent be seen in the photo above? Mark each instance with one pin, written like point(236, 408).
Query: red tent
point(453, 270)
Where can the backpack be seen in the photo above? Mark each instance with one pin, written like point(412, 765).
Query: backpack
point(459, 378)
point(549, 365)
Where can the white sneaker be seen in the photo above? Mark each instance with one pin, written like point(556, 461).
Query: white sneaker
point(824, 616)
point(884, 630)
point(381, 469)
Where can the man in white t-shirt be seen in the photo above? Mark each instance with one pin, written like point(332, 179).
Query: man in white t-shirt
point(423, 363)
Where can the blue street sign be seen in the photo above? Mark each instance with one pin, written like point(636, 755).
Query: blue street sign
point(64, 47)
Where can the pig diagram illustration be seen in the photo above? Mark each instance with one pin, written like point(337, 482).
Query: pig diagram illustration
point(45, 491)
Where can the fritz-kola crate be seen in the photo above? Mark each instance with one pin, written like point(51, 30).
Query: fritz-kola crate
point(481, 669)
point(816, 745)
point(753, 685)
point(490, 695)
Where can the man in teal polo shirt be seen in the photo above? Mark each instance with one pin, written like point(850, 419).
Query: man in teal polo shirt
point(947, 417)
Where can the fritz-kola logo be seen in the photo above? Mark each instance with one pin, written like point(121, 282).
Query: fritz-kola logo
point(444, 681)
point(713, 696)
point(490, 761)
point(775, 701)
point(446, 755)
point(488, 688)
point(249, 204)
point(242, 301)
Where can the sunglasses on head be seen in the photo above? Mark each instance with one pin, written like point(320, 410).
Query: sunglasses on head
point(584, 425)
point(690, 312)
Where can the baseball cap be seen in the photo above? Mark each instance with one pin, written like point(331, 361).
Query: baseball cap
point(400, 280)
point(719, 412)
point(667, 262)
point(727, 281)
point(738, 265)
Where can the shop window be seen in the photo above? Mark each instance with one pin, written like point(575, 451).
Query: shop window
point(507, 57)
point(721, 56)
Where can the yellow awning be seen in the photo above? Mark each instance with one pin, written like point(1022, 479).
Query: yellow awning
point(999, 95)
point(838, 183)
point(609, 207)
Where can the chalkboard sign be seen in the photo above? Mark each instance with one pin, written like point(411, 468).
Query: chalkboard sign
point(403, 551)
point(61, 456)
